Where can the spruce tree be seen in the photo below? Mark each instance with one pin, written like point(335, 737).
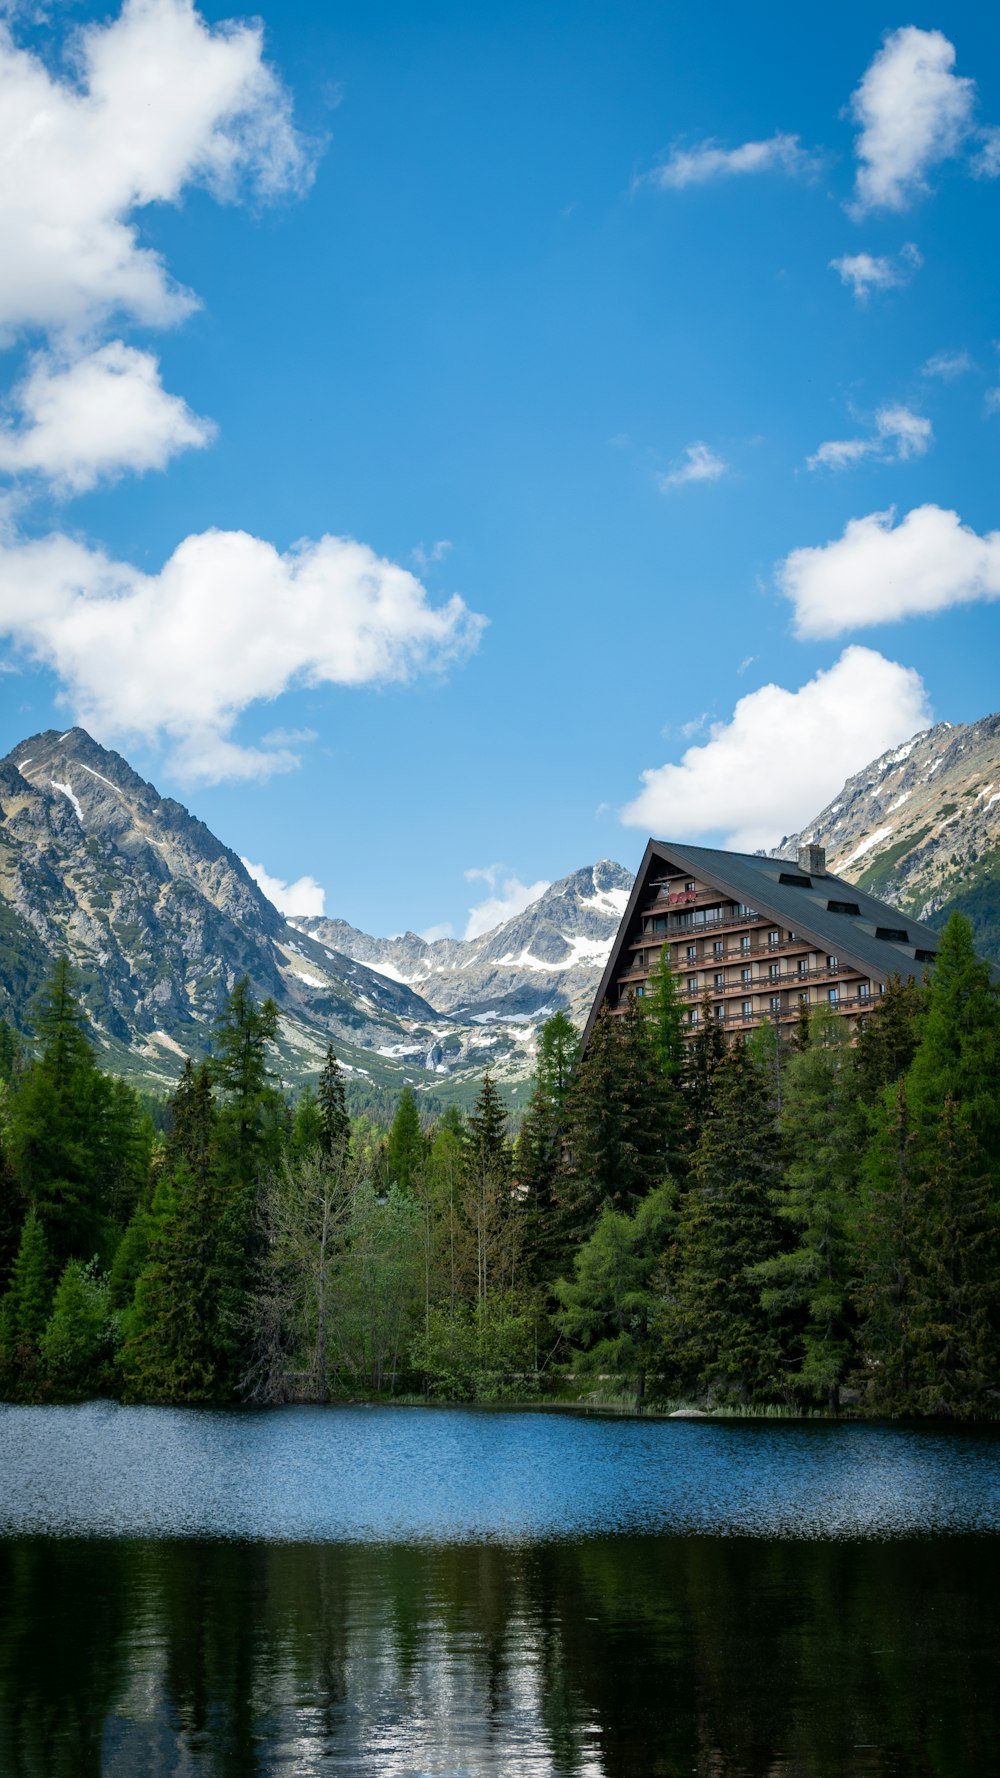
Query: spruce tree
point(406, 1142)
point(705, 1052)
point(888, 1219)
point(538, 1154)
point(56, 1124)
point(888, 1038)
point(617, 1127)
point(609, 1307)
point(717, 1335)
point(76, 1344)
point(28, 1302)
point(336, 1125)
point(811, 1279)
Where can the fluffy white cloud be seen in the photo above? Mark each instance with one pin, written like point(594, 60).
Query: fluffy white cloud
point(226, 622)
point(159, 100)
point(93, 419)
point(303, 898)
point(707, 161)
point(986, 164)
point(913, 112)
point(865, 272)
point(783, 754)
point(899, 434)
point(698, 464)
point(878, 572)
point(509, 897)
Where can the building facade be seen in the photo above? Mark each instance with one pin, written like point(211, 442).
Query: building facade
point(752, 939)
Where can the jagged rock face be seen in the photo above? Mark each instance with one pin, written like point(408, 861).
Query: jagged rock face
point(915, 826)
point(160, 917)
point(546, 959)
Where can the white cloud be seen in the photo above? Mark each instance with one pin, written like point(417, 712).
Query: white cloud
point(707, 161)
point(986, 164)
point(947, 365)
point(899, 435)
point(698, 464)
point(93, 419)
point(429, 556)
point(783, 754)
point(159, 100)
point(865, 272)
point(913, 112)
point(303, 898)
point(177, 655)
point(508, 898)
point(878, 572)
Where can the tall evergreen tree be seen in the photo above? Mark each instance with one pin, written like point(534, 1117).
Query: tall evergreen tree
point(406, 1142)
point(705, 1052)
point(609, 1307)
point(538, 1155)
point(717, 1335)
point(812, 1278)
point(888, 1038)
point(888, 1220)
point(616, 1121)
point(336, 1125)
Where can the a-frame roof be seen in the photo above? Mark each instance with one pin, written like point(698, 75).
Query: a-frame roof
point(755, 880)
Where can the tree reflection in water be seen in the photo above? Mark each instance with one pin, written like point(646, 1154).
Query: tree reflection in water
point(611, 1658)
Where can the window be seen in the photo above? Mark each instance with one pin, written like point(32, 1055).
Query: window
point(720, 1012)
point(693, 1016)
point(717, 948)
point(748, 1009)
point(745, 942)
point(773, 938)
point(833, 995)
point(804, 998)
point(775, 1002)
point(640, 991)
point(746, 976)
point(794, 879)
point(843, 907)
point(692, 953)
point(689, 888)
point(774, 971)
point(692, 984)
point(720, 979)
point(833, 963)
point(803, 966)
point(660, 923)
point(863, 991)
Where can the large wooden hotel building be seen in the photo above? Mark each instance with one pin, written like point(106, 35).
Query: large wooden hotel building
point(752, 938)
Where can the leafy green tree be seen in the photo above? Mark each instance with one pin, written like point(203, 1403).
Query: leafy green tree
point(406, 1141)
point(304, 1211)
point(77, 1341)
point(717, 1335)
point(811, 1280)
point(610, 1307)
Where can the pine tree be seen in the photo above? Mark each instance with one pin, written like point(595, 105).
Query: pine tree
point(336, 1125)
point(610, 1305)
point(558, 1054)
point(307, 1125)
point(76, 1344)
point(888, 1038)
point(717, 1335)
point(705, 1052)
point(616, 1121)
point(885, 1292)
point(958, 1055)
point(250, 1119)
point(956, 1349)
point(815, 1198)
point(28, 1301)
point(539, 1149)
point(406, 1142)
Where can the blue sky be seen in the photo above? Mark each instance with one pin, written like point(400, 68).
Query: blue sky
point(538, 317)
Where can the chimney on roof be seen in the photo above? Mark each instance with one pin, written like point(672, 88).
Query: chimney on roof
point(813, 860)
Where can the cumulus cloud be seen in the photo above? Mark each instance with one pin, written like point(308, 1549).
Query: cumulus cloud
point(899, 434)
point(94, 419)
point(176, 656)
point(508, 897)
point(878, 571)
point(865, 272)
point(304, 897)
point(707, 161)
point(698, 464)
point(783, 754)
point(913, 112)
point(159, 100)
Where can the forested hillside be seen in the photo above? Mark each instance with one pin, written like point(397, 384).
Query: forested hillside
point(781, 1223)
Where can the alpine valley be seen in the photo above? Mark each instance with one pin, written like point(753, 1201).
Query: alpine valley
point(160, 918)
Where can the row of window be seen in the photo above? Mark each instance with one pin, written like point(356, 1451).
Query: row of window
point(748, 1010)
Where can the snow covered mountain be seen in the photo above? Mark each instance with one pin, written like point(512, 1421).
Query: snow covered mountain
point(552, 952)
point(919, 826)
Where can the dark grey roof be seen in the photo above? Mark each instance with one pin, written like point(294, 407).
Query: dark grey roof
point(755, 880)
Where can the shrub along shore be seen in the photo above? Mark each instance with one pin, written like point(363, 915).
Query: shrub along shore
point(802, 1225)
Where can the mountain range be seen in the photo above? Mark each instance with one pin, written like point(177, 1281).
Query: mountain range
point(159, 918)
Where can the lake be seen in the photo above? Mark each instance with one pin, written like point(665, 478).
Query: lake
point(467, 1592)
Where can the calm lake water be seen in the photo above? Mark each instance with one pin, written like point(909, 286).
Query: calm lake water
point(393, 1591)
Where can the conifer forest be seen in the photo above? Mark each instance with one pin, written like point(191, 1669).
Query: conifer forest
point(804, 1224)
